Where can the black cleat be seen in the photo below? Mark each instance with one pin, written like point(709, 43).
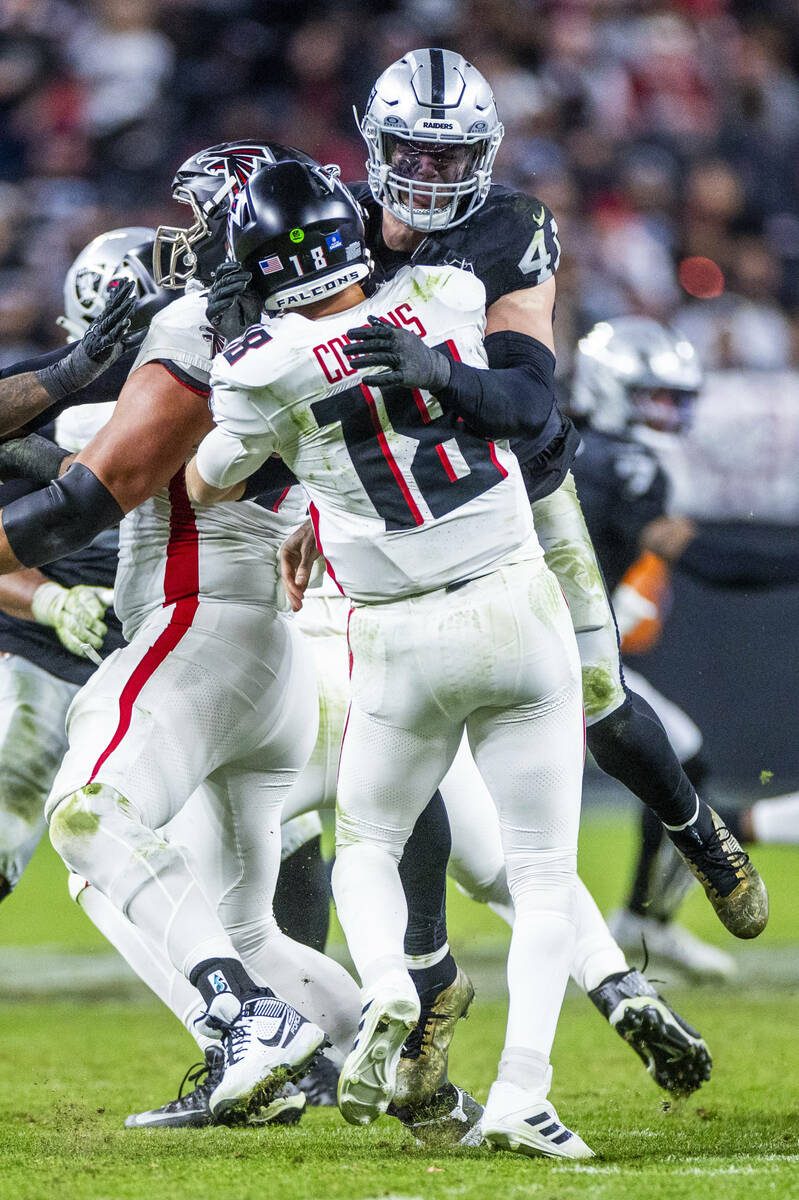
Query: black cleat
point(189, 1111)
point(321, 1083)
point(672, 1051)
point(450, 1118)
point(731, 881)
point(5, 887)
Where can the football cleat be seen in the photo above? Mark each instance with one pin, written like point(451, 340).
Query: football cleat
point(368, 1077)
point(422, 1069)
point(266, 1046)
point(731, 881)
point(672, 1051)
point(285, 1108)
point(450, 1118)
point(671, 943)
point(321, 1083)
point(516, 1120)
point(193, 1110)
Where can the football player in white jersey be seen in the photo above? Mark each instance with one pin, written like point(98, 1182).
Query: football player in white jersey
point(456, 622)
point(189, 699)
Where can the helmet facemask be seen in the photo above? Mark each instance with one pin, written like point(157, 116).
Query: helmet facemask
point(179, 245)
point(426, 205)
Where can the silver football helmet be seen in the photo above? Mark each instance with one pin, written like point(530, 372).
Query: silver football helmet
point(431, 105)
point(634, 372)
point(119, 254)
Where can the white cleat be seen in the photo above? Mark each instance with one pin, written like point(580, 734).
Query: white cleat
point(516, 1120)
point(368, 1078)
point(671, 943)
point(268, 1044)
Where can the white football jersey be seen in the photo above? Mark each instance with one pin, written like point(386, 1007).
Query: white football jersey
point(404, 497)
point(171, 550)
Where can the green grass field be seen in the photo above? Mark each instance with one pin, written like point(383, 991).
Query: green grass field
point(74, 1063)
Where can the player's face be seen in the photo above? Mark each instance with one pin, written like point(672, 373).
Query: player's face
point(663, 409)
point(429, 162)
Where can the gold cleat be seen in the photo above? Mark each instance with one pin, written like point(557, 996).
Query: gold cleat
point(423, 1062)
point(731, 881)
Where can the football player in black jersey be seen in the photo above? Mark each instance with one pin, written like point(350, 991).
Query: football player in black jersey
point(636, 380)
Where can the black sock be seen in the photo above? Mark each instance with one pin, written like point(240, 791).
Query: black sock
point(652, 833)
point(631, 745)
point(431, 980)
point(423, 871)
point(302, 896)
point(215, 975)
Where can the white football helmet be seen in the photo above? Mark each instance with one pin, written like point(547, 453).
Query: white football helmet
point(119, 254)
point(431, 102)
point(634, 372)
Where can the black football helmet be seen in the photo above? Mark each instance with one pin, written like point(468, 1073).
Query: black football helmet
point(209, 182)
point(300, 234)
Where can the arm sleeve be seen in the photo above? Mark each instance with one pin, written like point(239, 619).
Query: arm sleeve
point(100, 391)
point(224, 459)
point(514, 397)
point(743, 556)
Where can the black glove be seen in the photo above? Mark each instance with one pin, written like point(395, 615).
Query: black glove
point(411, 363)
point(232, 307)
point(107, 337)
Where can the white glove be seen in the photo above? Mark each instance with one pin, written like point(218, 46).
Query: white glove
point(76, 614)
point(630, 608)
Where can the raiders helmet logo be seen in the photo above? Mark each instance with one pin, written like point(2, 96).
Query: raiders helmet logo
point(87, 284)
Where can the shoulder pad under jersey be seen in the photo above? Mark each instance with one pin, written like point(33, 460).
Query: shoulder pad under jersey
point(180, 333)
point(511, 242)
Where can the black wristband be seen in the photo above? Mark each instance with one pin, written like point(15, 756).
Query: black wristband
point(60, 519)
point(34, 458)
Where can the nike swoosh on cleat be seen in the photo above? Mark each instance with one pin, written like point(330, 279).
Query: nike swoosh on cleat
point(276, 1038)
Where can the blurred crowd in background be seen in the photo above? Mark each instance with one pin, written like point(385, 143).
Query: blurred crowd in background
point(656, 130)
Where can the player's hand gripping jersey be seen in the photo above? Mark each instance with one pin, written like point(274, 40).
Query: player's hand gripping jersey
point(171, 550)
point(391, 476)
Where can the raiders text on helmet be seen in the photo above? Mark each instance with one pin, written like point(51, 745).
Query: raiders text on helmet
point(119, 254)
point(431, 97)
point(300, 233)
point(621, 368)
point(209, 182)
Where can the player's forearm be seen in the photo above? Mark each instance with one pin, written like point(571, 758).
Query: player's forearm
point(22, 398)
point(738, 555)
point(514, 397)
point(17, 590)
point(57, 520)
point(201, 492)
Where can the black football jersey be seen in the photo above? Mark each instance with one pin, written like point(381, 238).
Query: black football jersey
point(622, 487)
point(510, 243)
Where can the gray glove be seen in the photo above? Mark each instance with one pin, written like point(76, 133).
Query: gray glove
point(411, 363)
point(107, 337)
point(232, 307)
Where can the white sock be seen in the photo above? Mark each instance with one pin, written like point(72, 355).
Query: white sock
point(421, 962)
point(371, 908)
point(525, 1069)
point(777, 820)
point(596, 954)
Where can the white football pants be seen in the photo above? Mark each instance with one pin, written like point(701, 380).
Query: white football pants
point(496, 657)
point(33, 706)
point(227, 700)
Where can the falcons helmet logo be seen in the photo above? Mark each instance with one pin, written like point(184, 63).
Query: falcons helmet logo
point(237, 163)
